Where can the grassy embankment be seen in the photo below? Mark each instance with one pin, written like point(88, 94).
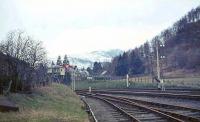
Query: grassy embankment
point(52, 103)
point(188, 82)
point(192, 82)
point(111, 84)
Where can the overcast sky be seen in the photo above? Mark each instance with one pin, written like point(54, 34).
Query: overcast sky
point(77, 26)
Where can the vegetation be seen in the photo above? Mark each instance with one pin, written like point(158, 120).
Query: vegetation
point(65, 61)
point(23, 61)
point(66, 78)
point(51, 103)
point(59, 61)
point(23, 47)
point(179, 45)
point(97, 68)
point(142, 82)
point(189, 82)
point(103, 84)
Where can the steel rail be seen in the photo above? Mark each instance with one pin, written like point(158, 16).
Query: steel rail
point(169, 95)
point(132, 118)
point(169, 117)
point(119, 109)
point(89, 110)
point(166, 116)
point(149, 104)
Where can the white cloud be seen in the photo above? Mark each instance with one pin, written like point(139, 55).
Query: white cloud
point(76, 26)
point(99, 38)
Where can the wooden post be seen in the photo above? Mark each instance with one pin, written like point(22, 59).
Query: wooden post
point(8, 90)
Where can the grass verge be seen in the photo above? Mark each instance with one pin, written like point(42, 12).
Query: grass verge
point(188, 82)
point(118, 84)
point(121, 84)
point(51, 103)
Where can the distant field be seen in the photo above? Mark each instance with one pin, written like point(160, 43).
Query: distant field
point(111, 84)
point(53, 103)
point(191, 82)
point(141, 82)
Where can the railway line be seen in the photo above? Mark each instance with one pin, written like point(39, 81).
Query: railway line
point(175, 91)
point(106, 111)
point(171, 90)
point(194, 95)
point(148, 111)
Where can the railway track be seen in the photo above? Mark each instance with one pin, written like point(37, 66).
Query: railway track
point(119, 111)
point(174, 91)
point(112, 111)
point(149, 111)
point(139, 113)
point(181, 112)
point(146, 93)
point(147, 89)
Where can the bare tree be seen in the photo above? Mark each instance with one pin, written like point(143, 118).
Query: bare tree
point(37, 54)
point(23, 47)
point(25, 57)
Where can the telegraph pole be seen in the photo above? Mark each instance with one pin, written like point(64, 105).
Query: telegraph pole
point(74, 84)
point(73, 80)
point(158, 62)
point(158, 66)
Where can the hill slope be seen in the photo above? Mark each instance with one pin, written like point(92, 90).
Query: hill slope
point(181, 50)
point(87, 59)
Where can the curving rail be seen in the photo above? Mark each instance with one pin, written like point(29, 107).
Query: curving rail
point(137, 111)
point(181, 112)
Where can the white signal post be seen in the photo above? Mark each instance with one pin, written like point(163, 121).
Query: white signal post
point(90, 89)
point(158, 66)
point(127, 82)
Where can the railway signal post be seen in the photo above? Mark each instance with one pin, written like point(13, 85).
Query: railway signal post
point(161, 84)
point(127, 82)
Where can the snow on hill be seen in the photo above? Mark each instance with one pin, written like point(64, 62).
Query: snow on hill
point(80, 62)
point(87, 59)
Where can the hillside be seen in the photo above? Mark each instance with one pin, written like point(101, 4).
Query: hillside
point(51, 103)
point(183, 49)
point(87, 59)
point(178, 47)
